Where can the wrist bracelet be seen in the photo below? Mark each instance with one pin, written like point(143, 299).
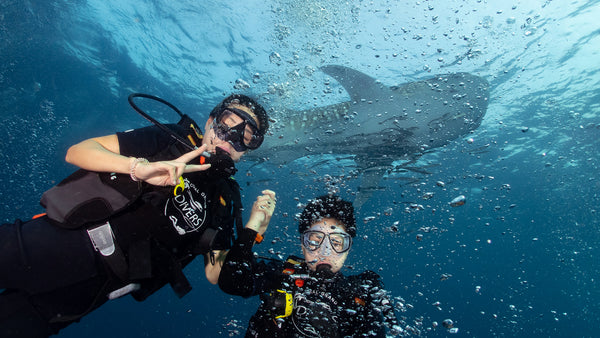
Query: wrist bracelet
point(133, 165)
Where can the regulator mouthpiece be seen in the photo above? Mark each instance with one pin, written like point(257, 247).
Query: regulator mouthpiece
point(221, 164)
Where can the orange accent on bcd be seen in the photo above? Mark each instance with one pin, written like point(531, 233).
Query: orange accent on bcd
point(38, 215)
point(359, 301)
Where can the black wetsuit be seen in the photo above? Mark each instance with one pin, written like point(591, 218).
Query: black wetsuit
point(324, 304)
point(52, 276)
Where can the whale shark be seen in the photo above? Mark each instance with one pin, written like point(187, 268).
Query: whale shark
point(379, 124)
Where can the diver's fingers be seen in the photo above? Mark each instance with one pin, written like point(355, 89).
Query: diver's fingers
point(174, 174)
point(266, 204)
point(190, 168)
point(265, 199)
point(270, 193)
point(185, 158)
point(149, 170)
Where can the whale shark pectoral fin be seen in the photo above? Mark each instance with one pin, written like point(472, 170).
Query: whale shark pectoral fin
point(359, 86)
point(368, 185)
point(372, 170)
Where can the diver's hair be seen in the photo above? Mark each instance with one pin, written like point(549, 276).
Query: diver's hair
point(257, 109)
point(328, 206)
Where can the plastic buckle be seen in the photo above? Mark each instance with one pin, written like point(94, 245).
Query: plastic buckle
point(102, 239)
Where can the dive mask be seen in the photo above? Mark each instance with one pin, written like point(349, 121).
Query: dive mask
point(340, 242)
point(243, 136)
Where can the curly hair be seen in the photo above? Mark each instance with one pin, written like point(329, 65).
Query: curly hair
point(328, 206)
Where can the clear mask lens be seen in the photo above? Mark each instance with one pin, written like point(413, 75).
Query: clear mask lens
point(340, 242)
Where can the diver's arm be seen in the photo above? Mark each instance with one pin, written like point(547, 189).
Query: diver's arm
point(238, 271)
point(99, 154)
point(244, 275)
point(103, 154)
point(262, 211)
point(241, 274)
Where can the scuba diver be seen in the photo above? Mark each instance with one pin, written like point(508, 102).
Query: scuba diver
point(144, 204)
point(309, 297)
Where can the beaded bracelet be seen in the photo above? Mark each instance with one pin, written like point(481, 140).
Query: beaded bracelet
point(134, 162)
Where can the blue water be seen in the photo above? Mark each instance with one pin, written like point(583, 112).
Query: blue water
point(518, 259)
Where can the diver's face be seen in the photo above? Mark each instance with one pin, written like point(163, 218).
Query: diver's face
point(231, 120)
point(326, 243)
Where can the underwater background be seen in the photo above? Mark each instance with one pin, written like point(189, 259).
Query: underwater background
point(517, 259)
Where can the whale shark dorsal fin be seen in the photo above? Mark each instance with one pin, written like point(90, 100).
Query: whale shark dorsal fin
point(359, 86)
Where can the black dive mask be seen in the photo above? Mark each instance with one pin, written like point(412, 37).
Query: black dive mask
point(242, 136)
point(221, 164)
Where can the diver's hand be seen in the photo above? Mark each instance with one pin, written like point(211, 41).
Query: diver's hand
point(165, 173)
point(262, 210)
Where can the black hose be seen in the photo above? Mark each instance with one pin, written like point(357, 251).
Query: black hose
point(155, 122)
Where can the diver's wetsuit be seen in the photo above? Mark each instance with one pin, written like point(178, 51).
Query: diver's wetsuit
point(52, 276)
point(324, 304)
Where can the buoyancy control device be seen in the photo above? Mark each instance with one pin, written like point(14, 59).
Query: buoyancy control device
point(88, 199)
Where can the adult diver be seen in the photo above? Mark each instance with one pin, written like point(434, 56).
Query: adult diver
point(309, 296)
point(144, 204)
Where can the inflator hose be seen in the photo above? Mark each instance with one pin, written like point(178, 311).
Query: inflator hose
point(155, 122)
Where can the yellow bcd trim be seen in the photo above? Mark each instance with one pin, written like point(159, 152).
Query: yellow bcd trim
point(192, 140)
point(289, 304)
